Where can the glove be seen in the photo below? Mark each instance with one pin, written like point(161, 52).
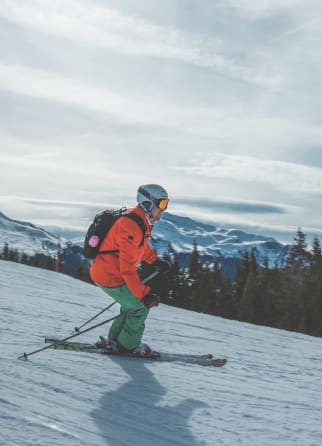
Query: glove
point(162, 266)
point(151, 300)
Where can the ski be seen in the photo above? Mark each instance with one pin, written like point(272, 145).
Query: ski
point(204, 360)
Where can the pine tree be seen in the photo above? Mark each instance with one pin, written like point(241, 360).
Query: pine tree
point(249, 298)
point(299, 256)
point(164, 280)
point(242, 271)
point(13, 255)
point(313, 292)
point(192, 290)
point(5, 251)
point(48, 263)
point(316, 252)
point(222, 300)
point(215, 287)
point(24, 258)
point(249, 306)
point(293, 284)
point(253, 265)
point(203, 290)
point(79, 272)
point(269, 286)
point(194, 265)
point(173, 275)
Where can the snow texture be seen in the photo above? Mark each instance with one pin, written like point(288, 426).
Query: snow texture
point(269, 393)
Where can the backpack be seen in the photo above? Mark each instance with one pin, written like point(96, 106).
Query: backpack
point(100, 227)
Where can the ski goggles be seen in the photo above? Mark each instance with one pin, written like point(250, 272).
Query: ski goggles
point(162, 203)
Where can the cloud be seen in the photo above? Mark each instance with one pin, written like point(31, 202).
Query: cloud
point(214, 122)
point(255, 9)
point(70, 214)
point(281, 175)
point(241, 207)
point(75, 93)
point(297, 29)
point(219, 102)
point(68, 90)
point(109, 29)
point(54, 87)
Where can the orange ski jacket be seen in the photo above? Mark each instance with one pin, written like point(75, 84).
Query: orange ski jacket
point(119, 268)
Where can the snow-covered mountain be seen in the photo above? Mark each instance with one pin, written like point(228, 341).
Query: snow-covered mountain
point(27, 237)
point(269, 393)
point(175, 233)
point(172, 234)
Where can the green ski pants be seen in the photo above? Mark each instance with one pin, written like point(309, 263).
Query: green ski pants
point(128, 328)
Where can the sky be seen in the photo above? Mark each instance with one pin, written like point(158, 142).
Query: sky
point(219, 101)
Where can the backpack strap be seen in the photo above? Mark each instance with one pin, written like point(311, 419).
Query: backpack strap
point(139, 221)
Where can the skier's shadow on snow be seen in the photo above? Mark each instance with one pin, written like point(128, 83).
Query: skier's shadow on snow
point(134, 414)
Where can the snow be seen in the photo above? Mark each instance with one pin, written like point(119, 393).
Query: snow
point(269, 392)
point(27, 237)
point(171, 233)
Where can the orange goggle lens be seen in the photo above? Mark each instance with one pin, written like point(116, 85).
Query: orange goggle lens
point(163, 204)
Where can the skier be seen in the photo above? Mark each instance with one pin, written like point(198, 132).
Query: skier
point(116, 273)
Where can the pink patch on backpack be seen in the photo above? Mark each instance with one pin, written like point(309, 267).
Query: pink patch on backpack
point(93, 241)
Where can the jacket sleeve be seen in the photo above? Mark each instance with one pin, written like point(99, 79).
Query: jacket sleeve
point(129, 238)
point(149, 255)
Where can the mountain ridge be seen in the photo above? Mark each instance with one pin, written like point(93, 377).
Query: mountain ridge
point(172, 234)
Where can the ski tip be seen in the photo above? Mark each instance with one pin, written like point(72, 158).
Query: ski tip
point(24, 356)
point(220, 362)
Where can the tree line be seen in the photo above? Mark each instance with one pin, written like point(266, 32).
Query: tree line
point(40, 260)
point(288, 298)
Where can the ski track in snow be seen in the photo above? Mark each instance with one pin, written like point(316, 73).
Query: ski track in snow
point(269, 392)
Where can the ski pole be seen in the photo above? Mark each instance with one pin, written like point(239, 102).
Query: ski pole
point(76, 329)
point(146, 279)
point(25, 355)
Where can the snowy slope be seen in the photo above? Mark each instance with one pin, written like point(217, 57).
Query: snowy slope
point(269, 393)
